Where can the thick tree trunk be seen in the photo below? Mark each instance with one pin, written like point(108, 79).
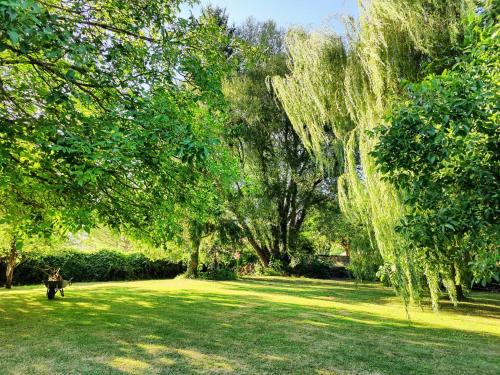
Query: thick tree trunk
point(275, 243)
point(263, 254)
point(11, 264)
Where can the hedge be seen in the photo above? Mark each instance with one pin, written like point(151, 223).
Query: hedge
point(103, 265)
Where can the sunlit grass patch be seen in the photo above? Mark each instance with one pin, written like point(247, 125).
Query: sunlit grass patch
point(251, 326)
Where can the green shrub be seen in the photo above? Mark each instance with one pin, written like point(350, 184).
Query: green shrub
point(276, 267)
point(305, 266)
point(268, 271)
point(219, 274)
point(319, 269)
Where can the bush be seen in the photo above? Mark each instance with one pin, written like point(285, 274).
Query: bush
point(319, 269)
point(306, 266)
point(268, 271)
point(103, 265)
point(219, 274)
point(276, 267)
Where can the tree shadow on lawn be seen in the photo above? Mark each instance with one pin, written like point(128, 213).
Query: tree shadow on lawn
point(122, 330)
point(479, 303)
point(345, 290)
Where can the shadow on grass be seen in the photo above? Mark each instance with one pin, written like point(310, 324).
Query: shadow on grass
point(480, 304)
point(344, 290)
point(232, 327)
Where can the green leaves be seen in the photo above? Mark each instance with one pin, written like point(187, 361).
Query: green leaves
point(441, 147)
point(95, 123)
point(13, 36)
point(280, 184)
point(70, 74)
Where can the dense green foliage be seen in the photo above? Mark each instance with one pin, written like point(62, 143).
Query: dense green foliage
point(226, 146)
point(103, 265)
point(441, 148)
point(110, 113)
point(346, 88)
point(280, 184)
point(106, 112)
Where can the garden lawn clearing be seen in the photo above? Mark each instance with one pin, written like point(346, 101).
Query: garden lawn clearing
point(252, 326)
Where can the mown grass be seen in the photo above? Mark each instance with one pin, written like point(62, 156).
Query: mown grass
point(251, 326)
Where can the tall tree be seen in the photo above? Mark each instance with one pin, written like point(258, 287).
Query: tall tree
point(108, 112)
point(347, 87)
point(280, 182)
point(441, 147)
point(104, 105)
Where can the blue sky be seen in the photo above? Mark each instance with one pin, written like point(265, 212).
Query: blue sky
point(310, 14)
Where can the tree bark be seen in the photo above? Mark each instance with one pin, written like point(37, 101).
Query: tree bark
point(11, 264)
point(460, 293)
point(347, 247)
point(457, 277)
point(192, 269)
point(262, 253)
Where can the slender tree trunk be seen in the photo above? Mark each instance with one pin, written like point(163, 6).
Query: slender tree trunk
point(347, 247)
point(457, 277)
point(460, 293)
point(192, 269)
point(11, 264)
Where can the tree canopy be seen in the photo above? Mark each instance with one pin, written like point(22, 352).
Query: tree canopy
point(280, 183)
point(106, 108)
point(201, 137)
point(440, 147)
point(348, 86)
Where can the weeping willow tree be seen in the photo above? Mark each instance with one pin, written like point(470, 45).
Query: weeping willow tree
point(344, 88)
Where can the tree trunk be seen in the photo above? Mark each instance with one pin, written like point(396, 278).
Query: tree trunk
point(263, 254)
point(347, 247)
point(192, 269)
point(457, 277)
point(11, 264)
point(460, 293)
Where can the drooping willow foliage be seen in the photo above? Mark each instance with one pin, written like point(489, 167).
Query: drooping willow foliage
point(345, 88)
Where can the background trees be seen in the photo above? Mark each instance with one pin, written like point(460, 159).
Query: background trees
point(127, 115)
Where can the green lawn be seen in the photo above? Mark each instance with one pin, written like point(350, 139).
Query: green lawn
point(253, 326)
